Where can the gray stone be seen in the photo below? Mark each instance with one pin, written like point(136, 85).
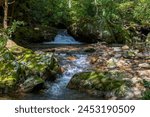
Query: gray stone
point(117, 49)
point(125, 47)
point(144, 65)
point(111, 63)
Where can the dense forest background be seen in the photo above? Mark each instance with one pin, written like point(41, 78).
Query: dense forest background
point(113, 21)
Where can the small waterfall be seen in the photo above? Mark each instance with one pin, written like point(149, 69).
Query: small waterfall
point(63, 38)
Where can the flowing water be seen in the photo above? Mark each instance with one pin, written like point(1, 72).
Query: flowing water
point(58, 89)
point(63, 38)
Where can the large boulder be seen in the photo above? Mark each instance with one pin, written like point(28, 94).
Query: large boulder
point(24, 69)
point(9, 72)
point(102, 84)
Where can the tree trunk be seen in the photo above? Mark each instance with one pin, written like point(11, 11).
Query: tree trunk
point(95, 1)
point(5, 15)
point(69, 3)
point(10, 43)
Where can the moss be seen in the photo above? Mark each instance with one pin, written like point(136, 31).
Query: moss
point(9, 70)
point(31, 83)
point(19, 65)
point(146, 95)
point(100, 81)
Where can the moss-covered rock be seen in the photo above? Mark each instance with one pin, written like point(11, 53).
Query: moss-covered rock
point(21, 67)
point(31, 83)
point(9, 71)
point(104, 84)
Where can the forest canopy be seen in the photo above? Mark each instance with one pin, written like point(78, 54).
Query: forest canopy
point(113, 21)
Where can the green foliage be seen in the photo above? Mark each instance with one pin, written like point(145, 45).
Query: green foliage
point(7, 33)
point(3, 38)
point(146, 95)
point(13, 27)
point(110, 20)
point(146, 84)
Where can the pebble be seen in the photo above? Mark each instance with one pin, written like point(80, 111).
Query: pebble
point(137, 93)
point(144, 73)
point(135, 80)
point(144, 65)
point(121, 63)
point(140, 55)
point(111, 63)
point(117, 49)
point(118, 55)
point(129, 95)
point(125, 47)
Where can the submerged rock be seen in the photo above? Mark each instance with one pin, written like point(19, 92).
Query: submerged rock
point(103, 84)
point(21, 67)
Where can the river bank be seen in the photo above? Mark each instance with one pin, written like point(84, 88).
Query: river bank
point(128, 66)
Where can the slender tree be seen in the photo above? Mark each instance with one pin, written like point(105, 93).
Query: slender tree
point(5, 25)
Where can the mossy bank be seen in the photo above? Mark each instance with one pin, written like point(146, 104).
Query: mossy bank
point(24, 70)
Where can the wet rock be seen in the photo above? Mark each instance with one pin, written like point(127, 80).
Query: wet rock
point(90, 50)
point(71, 58)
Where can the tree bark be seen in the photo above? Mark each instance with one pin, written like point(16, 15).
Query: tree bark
point(5, 25)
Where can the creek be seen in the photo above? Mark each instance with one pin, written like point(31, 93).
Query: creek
point(72, 63)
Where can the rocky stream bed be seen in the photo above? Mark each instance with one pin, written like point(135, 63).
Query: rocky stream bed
point(81, 71)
